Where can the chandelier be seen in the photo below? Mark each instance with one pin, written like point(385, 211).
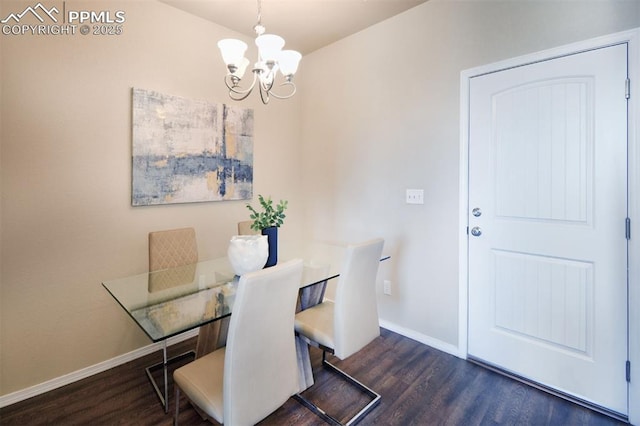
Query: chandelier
point(271, 60)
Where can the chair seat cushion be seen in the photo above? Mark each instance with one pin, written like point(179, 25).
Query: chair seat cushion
point(316, 323)
point(201, 380)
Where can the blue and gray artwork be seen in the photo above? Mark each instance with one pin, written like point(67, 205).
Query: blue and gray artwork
point(187, 151)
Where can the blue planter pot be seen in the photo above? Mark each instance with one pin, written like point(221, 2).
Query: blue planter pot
point(272, 238)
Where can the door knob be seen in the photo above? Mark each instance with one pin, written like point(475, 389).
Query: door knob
point(476, 212)
point(476, 231)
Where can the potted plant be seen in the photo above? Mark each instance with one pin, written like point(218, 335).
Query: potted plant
point(267, 221)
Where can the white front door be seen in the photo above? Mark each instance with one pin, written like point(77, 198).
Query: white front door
point(547, 210)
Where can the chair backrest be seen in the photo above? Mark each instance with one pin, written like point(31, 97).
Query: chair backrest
point(171, 248)
point(244, 228)
point(260, 370)
point(356, 309)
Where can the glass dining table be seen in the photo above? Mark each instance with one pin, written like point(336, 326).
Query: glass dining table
point(170, 302)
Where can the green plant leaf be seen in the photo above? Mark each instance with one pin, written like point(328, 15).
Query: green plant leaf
point(270, 215)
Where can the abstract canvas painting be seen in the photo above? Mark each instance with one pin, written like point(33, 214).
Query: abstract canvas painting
point(187, 150)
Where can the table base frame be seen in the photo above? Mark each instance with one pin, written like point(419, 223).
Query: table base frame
point(164, 398)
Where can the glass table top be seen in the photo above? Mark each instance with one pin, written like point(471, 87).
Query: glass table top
point(168, 302)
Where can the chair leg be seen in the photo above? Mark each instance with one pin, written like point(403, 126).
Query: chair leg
point(175, 416)
point(327, 417)
point(370, 392)
point(317, 410)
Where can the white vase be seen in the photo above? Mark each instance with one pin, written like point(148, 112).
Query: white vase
point(248, 253)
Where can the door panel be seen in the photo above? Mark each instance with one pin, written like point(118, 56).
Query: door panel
point(547, 254)
point(546, 299)
point(544, 150)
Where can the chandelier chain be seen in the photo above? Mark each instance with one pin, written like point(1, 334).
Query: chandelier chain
point(259, 28)
point(259, 12)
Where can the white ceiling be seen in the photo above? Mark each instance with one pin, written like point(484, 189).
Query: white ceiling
point(306, 25)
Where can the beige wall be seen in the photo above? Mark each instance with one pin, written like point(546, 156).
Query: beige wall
point(381, 114)
point(376, 113)
point(67, 221)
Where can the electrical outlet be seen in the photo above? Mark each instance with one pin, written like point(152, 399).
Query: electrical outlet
point(387, 287)
point(415, 196)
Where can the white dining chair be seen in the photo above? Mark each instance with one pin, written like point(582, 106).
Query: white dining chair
point(256, 372)
point(346, 325)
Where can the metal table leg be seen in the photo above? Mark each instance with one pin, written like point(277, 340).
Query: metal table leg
point(164, 396)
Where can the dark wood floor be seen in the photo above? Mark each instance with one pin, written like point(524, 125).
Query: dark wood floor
point(419, 386)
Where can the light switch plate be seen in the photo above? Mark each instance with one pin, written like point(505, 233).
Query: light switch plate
point(415, 196)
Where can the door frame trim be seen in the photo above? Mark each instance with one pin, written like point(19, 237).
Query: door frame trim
point(632, 39)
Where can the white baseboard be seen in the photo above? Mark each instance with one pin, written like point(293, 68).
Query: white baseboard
point(75, 376)
point(424, 339)
point(58, 382)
